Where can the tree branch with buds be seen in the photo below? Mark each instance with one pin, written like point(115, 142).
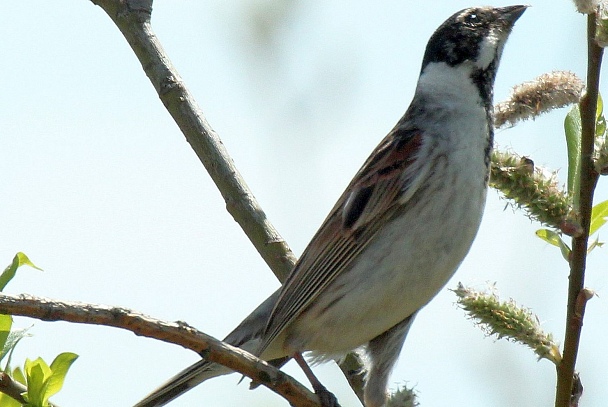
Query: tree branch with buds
point(587, 184)
point(569, 212)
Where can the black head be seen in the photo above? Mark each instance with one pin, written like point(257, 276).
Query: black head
point(472, 40)
point(476, 35)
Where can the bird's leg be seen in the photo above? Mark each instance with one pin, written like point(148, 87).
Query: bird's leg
point(325, 396)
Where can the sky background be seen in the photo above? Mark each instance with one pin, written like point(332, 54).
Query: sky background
point(101, 190)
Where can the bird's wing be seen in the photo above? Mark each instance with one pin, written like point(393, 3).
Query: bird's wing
point(387, 180)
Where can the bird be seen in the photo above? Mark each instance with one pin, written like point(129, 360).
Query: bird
point(401, 228)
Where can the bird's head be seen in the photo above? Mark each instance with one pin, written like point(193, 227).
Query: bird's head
point(470, 43)
point(474, 35)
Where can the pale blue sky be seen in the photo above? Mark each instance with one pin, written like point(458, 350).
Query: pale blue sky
point(102, 191)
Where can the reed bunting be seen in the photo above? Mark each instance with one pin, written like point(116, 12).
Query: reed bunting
point(402, 227)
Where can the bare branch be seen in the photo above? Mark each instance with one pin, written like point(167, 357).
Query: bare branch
point(133, 19)
point(178, 333)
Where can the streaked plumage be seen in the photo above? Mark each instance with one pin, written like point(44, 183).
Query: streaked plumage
point(401, 228)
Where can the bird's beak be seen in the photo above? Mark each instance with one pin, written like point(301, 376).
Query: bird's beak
point(510, 14)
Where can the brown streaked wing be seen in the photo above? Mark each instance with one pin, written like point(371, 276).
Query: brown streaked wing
point(349, 227)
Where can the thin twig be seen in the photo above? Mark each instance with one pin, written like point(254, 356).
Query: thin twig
point(173, 332)
point(589, 177)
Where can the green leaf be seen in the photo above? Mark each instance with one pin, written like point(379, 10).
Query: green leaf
point(6, 401)
point(25, 261)
point(19, 376)
point(11, 342)
point(19, 260)
point(600, 120)
point(549, 236)
point(594, 244)
point(9, 272)
point(43, 381)
point(555, 239)
point(6, 321)
point(600, 127)
point(37, 373)
point(60, 367)
point(599, 213)
point(572, 128)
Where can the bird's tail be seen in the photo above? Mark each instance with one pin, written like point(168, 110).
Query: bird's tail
point(246, 336)
point(182, 382)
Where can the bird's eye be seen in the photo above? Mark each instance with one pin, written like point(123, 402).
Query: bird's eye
point(471, 19)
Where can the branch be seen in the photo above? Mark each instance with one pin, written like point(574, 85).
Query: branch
point(565, 372)
point(173, 332)
point(132, 17)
